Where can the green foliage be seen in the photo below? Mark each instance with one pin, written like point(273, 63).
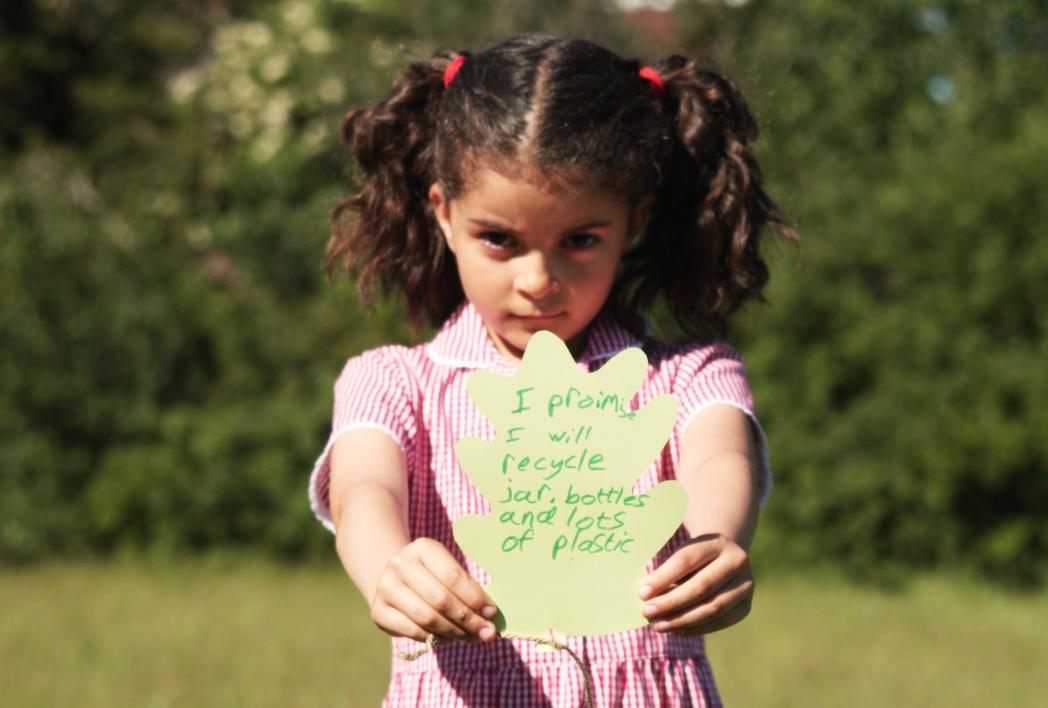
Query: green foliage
point(167, 362)
point(900, 370)
point(169, 342)
point(147, 388)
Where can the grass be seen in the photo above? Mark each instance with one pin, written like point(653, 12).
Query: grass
point(942, 642)
point(187, 635)
point(206, 634)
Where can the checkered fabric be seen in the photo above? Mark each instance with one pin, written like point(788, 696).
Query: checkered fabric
point(417, 395)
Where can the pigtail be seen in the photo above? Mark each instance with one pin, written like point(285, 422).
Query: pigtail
point(386, 233)
point(704, 229)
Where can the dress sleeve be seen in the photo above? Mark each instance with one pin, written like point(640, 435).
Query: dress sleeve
point(714, 374)
point(371, 391)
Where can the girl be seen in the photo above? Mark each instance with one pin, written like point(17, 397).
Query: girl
point(546, 184)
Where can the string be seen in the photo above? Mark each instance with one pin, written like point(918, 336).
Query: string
point(552, 642)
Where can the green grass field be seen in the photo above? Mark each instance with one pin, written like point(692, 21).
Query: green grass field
point(207, 634)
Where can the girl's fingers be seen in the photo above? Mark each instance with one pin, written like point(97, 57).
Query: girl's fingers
point(732, 617)
point(448, 571)
point(439, 598)
point(682, 563)
point(703, 584)
point(392, 621)
point(404, 599)
point(724, 609)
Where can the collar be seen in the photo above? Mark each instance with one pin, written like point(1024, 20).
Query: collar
point(463, 341)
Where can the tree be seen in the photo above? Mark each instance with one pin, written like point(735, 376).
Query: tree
point(900, 369)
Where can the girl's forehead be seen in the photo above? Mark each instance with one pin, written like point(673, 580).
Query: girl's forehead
point(525, 185)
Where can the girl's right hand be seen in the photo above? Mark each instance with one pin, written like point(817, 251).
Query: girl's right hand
point(423, 590)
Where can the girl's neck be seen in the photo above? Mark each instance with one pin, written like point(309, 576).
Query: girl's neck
point(576, 346)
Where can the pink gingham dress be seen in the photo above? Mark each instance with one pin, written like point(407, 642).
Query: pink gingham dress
point(417, 395)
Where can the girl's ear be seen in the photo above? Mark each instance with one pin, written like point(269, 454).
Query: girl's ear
point(640, 214)
point(441, 211)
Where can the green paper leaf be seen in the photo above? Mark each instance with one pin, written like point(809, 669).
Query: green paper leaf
point(567, 541)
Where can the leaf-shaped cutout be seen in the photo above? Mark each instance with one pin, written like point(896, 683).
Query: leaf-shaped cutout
point(567, 540)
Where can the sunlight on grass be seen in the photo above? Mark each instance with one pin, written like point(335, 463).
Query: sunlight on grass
point(188, 635)
point(942, 642)
point(200, 634)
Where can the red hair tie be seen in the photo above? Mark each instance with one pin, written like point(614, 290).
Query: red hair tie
point(452, 69)
point(658, 89)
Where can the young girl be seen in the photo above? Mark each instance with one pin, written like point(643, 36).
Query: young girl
point(546, 184)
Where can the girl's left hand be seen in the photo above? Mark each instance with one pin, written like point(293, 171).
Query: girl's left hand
point(705, 586)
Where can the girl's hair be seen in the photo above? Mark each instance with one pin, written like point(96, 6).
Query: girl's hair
point(569, 110)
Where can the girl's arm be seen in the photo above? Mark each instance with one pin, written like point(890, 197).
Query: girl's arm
point(707, 585)
point(414, 588)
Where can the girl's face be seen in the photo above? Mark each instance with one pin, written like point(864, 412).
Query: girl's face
point(535, 257)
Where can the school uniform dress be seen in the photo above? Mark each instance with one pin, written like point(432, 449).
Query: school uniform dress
point(417, 395)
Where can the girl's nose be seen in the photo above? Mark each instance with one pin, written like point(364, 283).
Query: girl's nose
point(536, 279)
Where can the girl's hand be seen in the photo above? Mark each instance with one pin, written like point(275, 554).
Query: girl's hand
point(423, 590)
point(705, 586)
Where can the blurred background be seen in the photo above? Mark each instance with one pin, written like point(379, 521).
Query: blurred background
point(168, 340)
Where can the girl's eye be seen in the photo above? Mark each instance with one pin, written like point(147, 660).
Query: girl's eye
point(495, 239)
point(582, 242)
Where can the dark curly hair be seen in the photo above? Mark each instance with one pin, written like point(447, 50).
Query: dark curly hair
point(570, 110)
